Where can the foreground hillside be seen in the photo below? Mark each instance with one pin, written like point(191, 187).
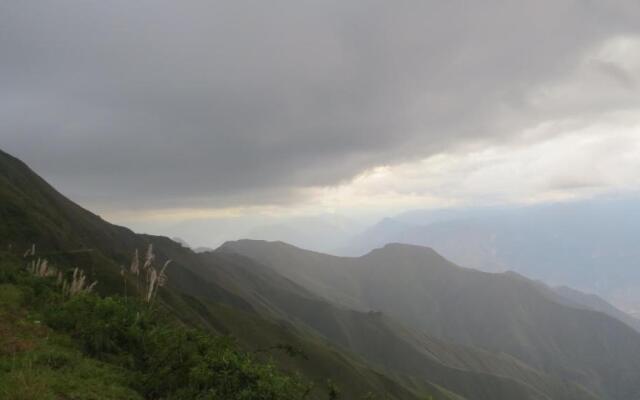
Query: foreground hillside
point(32, 212)
point(77, 345)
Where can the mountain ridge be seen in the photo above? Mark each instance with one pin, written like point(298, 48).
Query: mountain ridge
point(453, 302)
point(34, 212)
point(584, 244)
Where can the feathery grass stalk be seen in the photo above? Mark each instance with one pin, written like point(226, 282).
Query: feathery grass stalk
point(148, 278)
point(135, 269)
point(40, 267)
point(78, 284)
point(30, 251)
point(160, 281)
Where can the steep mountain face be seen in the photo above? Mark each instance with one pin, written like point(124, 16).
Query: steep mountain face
point(589, 245)
point(502, 313)
point(32, 212)
point(379, 340)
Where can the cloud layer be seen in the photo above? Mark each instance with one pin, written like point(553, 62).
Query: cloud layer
point(201, 104)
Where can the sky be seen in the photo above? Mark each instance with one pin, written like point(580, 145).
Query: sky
point(211, 120)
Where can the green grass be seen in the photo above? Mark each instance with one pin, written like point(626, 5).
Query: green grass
point(31, 211)
point(56, 372)
point(37, 363)
point(103, 348)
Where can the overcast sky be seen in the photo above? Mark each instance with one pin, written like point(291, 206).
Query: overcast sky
point(165, 113)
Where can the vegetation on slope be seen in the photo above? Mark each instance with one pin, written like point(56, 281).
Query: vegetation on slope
point(93, 347)
point(31, 211)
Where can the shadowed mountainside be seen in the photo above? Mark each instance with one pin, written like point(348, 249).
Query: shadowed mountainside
point(501, 313)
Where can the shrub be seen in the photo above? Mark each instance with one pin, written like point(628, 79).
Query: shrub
point(103, 326)
point(169, 361)
point(160, 358)
point(188, 364)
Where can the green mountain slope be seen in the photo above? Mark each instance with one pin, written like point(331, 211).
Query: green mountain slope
point(384, 342)
point(501, 313)
point(57, 344)
point(32, 212)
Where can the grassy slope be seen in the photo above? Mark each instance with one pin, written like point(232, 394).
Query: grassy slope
point(143, 353)
point(38, 363)
point(33, 212)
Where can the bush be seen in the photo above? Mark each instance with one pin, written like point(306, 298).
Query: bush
point(188, 364)
point(160, 358)
point(169, 361)
point(106, 328)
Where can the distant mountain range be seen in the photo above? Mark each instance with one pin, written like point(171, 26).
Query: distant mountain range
point(591, 245)
point(400, 322)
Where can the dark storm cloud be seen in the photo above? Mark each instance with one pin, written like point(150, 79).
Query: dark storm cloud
point(180, 102)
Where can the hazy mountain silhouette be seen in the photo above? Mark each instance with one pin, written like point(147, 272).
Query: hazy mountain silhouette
point(589, 245)
point(501, 313)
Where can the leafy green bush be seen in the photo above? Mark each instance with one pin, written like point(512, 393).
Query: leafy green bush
point(104, 327)
point(169, 361)
point(160, 358)
point(189, 364)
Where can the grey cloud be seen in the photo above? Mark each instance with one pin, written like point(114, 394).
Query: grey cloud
point(211, 102)
point(622, 77)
